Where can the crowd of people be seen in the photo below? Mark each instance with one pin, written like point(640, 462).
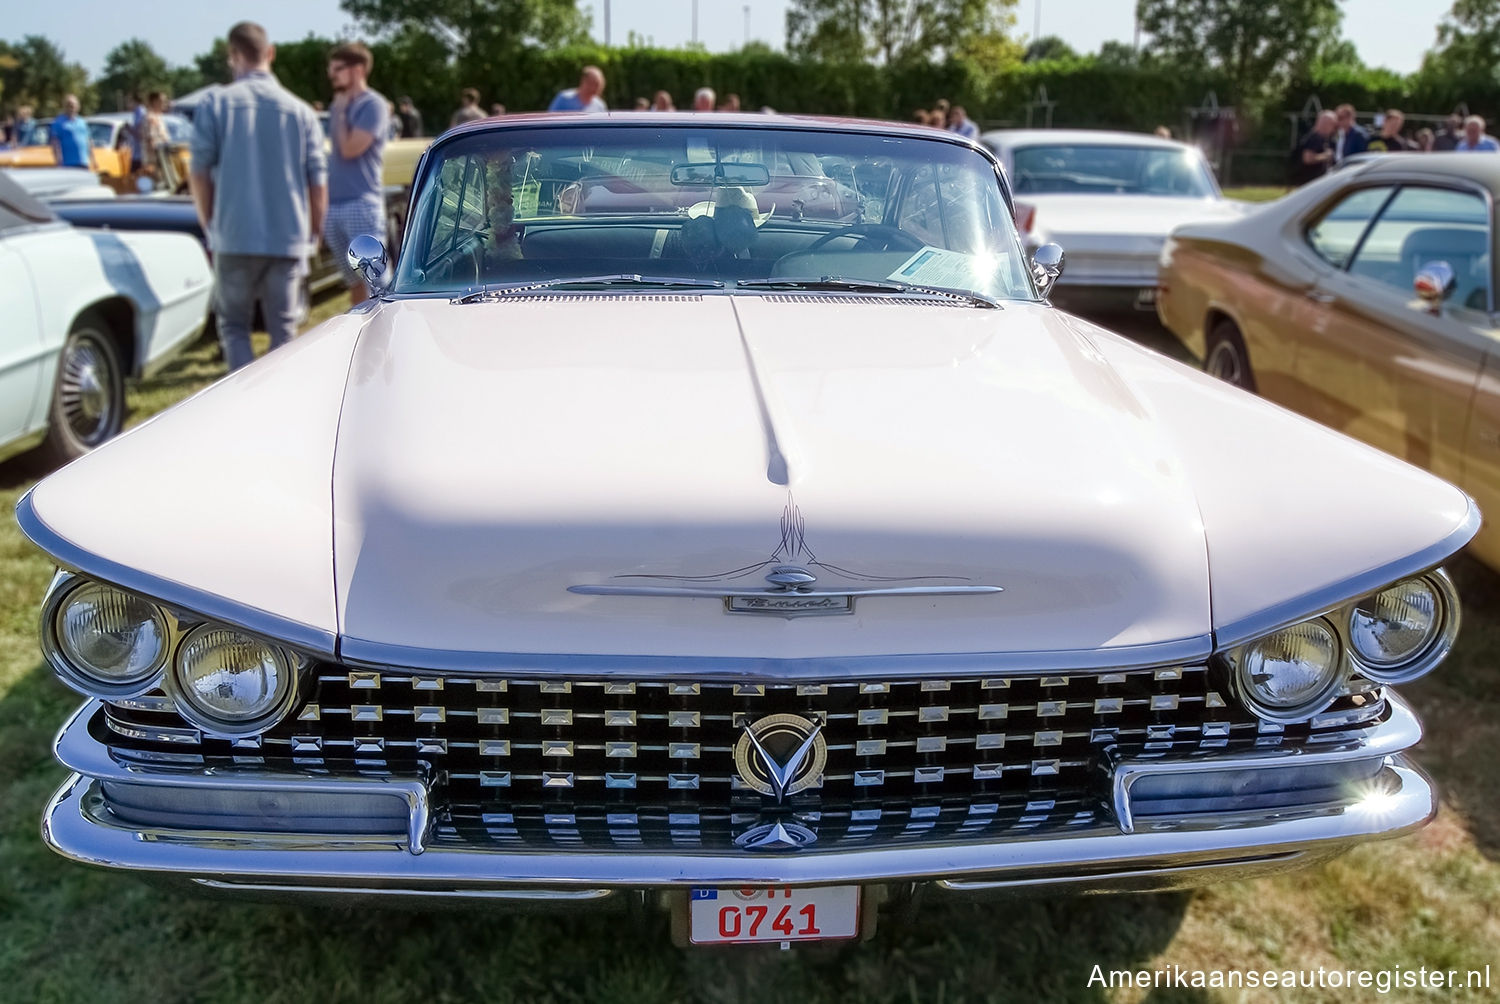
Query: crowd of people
point(1336, 136)
point(943, 115)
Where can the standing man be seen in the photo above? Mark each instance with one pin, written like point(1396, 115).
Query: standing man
point(25, 127)
point(1349, 138)
point(1389, 139)
point(959, 122)
point(585, 97)
point(411, 119)
point(1315, 152)
point(703, 99)
point(260, 184)
point(1475, 138)
point(70, 137)
point(359, 124)
point(468, 109)
point(1447, 138)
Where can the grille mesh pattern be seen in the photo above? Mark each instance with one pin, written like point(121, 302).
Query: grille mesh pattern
point(650, 763)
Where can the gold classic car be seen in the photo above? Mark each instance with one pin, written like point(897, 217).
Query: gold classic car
point(1366, 301)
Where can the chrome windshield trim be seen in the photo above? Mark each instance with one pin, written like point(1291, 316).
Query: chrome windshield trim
point(1320, 601)
point(304, 637)
point(377, 655)
point(1401, 731)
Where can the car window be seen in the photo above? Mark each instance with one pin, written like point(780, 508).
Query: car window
point(1422, 225)
point(521, 205)
point(1095, 169)
point(1336, 233)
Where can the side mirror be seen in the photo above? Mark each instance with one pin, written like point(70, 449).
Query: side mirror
point(367, 257)
point(1433, 284)
point(1046, 266)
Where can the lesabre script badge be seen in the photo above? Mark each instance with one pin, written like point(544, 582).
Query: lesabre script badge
point(792, 582)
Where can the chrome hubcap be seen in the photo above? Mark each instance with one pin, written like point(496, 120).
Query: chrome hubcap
point(1224, 363)
point(85, 390)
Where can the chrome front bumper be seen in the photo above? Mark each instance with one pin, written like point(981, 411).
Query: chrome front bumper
point(1139, 852)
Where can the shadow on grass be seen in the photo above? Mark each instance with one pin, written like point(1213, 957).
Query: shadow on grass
point(78, 932)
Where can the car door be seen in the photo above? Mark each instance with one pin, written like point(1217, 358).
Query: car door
point(1482, 457)
point(1393, 371)
point(21, 348)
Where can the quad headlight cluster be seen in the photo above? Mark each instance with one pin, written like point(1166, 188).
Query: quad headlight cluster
point(109, 643)
point(1391, 636)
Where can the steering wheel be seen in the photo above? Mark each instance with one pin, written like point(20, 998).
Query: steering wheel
point(890, 238)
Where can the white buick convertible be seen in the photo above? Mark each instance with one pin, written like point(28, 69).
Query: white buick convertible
point(81, 311)
point(709, 513)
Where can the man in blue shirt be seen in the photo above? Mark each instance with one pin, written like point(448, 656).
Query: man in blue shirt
point(583, 98)
point(70, 137)
point(359, 122)
point(260, 184)
point(1475, 138)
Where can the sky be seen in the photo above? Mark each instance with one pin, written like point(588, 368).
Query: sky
point(1390, 33)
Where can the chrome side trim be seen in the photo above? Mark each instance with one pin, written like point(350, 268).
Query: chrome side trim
point(78, 751)
point(1323, 600)
point(518, 895)
point(1401, 731)
point(305, 637)
point(78, 826)
point(356, 652)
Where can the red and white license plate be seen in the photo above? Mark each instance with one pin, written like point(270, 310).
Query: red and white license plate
point(779, 913)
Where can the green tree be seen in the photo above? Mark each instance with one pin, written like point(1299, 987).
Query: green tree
point(1257, 45)
point(479, 30)
point(1468, 43)
point(1049, 47)
point(899, 31)
point(35, 72)
point(213, 65)
point(1113, 53)
point(132, 67)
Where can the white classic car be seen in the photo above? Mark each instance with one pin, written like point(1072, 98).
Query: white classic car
point(709, 513)
point(83, 311)
point(1109, 199)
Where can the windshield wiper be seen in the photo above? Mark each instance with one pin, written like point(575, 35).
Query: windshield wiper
point(838, 283)
point(622, 279)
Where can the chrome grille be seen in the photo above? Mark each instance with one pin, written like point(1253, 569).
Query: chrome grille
point(505, 756)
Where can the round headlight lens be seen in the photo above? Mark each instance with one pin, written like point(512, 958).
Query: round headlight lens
point(228, 681)
point(1293, 672)
point(113, 640)
point(1396, 625)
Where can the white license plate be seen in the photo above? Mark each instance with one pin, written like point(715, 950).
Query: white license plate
point(746, 916)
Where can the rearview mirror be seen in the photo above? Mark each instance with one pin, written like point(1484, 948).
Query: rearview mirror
point(1433, 284)
point(1046, 266)
point(714, 174)
point(367, 257)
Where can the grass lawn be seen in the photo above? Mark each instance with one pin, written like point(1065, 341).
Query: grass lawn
point(73, 933)
point(1257, 193)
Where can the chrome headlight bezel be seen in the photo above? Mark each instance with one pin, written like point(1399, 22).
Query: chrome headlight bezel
point(1337, 675)
point(1431, 653)
point(66, 587)
point(1352, 669)
point(181, 627)
point(284, 699)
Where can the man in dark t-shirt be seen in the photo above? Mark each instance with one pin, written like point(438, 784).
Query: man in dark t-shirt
point(1313, 155)
point(1389, 139)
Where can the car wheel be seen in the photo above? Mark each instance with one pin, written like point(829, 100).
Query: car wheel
point(88, 398)
point(1226, 357)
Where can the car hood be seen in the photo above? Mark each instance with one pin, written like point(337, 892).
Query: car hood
point(494, 457)
point(1062, 216)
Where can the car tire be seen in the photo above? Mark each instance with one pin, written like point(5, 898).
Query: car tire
point(1225, 356)
point(88, 396)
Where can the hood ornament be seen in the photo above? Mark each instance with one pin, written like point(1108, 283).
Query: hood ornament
point(792, 591)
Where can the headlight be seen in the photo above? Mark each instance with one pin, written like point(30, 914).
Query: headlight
point(1402, 632)
point(109, 643)
point(229, 683)
point(1290, 675)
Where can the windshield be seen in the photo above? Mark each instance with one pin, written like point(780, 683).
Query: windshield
point(724, 204)
point(1089, 169)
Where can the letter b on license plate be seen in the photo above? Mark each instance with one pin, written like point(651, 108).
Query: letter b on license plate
point(778, 913)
